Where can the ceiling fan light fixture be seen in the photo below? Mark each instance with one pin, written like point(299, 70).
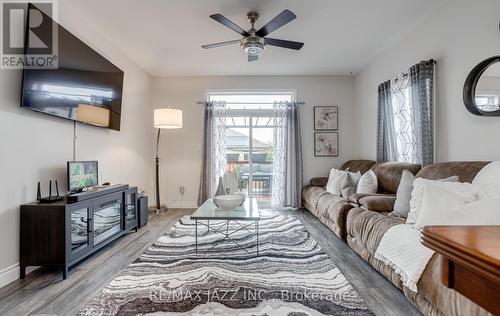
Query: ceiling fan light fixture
point(254, 41)
point(252, 45)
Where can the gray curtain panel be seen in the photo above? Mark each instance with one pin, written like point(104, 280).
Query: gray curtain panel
point(386, 134)
point(422, 99)
point(287, 156)
point(213, 162)
point(206, 160)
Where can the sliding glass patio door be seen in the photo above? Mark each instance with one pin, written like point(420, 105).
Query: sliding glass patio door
point(250, 141)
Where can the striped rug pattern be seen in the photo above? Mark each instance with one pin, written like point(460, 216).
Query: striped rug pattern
point(291, 275)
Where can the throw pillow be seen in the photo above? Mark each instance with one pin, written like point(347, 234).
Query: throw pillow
point(463, 189)
point(403, 194)
point(335, 181)
point(349, 184)
point(367, 183)
point(329, 184)
point(443, 207)
point(487, 180)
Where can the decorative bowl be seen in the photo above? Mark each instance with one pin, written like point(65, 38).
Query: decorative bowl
point(228, 202)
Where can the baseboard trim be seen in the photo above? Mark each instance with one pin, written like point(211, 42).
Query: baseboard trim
point(12, 273)
point(182, 204)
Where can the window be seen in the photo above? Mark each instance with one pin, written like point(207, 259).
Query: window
point(405, 117)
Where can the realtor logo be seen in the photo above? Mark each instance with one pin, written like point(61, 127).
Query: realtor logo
point(29, 35)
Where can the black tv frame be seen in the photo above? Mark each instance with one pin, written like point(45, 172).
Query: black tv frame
point(26, 49)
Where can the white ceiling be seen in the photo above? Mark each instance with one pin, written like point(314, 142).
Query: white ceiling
point(340, 36)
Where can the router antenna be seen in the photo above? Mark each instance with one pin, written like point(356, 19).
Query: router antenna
point(38, 193)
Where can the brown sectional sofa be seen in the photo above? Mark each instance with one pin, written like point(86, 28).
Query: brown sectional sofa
point(365, 227)
point(328, 208)
point(332, 210)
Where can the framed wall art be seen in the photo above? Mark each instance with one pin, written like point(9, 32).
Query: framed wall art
point(326, 118)
point(326, 144)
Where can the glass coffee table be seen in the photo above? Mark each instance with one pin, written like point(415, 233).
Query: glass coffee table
point(246, 216)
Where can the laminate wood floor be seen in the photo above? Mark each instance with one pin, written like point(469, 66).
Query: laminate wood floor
point(44, 292)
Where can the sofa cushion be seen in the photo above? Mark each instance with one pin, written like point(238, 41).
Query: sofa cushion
point(330, 209)
point(378, 203)
point(319, 181)
point(357, 196)
point(369, 227)
point(465, 170)
point(326, 201)
point(310, 197)
point(358, 165)
point(353, 166)
point(389, 174)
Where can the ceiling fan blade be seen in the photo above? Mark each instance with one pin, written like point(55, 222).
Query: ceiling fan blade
point(283, 43)
point(253, 58)
point(281, 19)
point(226, 22)
point(220, 44)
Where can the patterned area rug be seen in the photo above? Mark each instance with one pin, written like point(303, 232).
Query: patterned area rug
point(291, 275)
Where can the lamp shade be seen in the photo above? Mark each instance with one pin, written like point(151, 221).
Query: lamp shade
point(168, 118)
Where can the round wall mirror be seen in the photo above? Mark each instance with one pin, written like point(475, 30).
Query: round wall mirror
point(482, 88)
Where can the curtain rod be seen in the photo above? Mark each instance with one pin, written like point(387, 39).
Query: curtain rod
point(405, 74)
point(299, 103)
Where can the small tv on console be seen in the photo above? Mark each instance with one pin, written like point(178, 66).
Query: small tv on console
point(85, 87)
point(81, 175)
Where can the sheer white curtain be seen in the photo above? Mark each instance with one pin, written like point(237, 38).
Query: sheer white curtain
point(214, 149)
point(279, 142)
point(406, 118)
point(219, 140)
point(287, 156)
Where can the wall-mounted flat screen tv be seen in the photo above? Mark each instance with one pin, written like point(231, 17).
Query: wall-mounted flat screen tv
point(85, 87)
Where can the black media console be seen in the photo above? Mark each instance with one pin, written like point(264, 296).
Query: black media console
point(63, 233)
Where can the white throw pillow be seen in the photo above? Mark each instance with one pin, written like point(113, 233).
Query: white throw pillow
point(443, 207)
point(335, 181)
point(348, 186)
point(487, 180)
point(329, 184)
point(466, 190)
point(367, 183)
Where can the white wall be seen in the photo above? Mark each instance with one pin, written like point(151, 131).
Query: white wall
point(181, 150)
point(35, 147)
point(459, 36)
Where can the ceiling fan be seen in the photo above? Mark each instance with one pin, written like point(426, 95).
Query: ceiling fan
point(253, 41)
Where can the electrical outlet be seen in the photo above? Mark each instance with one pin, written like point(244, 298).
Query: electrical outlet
point(181, 190)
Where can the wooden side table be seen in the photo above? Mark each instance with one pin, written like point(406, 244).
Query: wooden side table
point(470, 261)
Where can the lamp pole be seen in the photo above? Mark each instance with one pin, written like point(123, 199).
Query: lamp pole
point(158, 205)
point(169, 119)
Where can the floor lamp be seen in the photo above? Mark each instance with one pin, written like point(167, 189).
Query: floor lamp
point(164, 118)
